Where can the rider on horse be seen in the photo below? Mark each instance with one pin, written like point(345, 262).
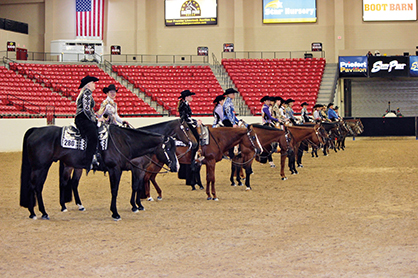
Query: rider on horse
point(109, 109)
point(86, 121)
point(218, 112)
point(229, 119)
point(267, 119)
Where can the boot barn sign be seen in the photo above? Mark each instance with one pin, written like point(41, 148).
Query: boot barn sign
point(389, 10)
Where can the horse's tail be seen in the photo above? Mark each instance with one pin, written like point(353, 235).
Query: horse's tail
point(25, 173)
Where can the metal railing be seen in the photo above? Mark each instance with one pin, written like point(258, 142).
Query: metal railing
point(157, 59)
point(271, 54)
point(22, 105)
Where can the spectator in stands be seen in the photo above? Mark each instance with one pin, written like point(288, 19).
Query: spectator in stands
point(108, 111)
point(229, 112)
point(289, 111)
point(267, 119)
point(186, 115)
point(304, 113)
point(369, 54)
point(218, 112)
point(332, 116)
point(86, 122)
point(317, 113)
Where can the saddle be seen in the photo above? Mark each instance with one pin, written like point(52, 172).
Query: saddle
point(72, 139)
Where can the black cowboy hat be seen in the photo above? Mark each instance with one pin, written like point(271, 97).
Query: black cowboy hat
point(279, 98)
point(330, 104)
point(87, 80)
point(289, 100)
point(186, 93)
point(317, 105)
point(305, 103)
point(111, 87)
point(336, 108)
point(219, 98)
point(263, 99)
point(230, 91)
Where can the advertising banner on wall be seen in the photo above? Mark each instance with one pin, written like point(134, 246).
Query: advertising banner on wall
point(11, 46)
point(389, 10)
point(228, 47)
point(413, 66)
point(202, 51)
point(353, 66)
point(191, 12)
point(115, 50)
point(388, 66)
point(289, 11)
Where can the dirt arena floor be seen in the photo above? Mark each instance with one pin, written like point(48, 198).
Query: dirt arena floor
point(351, 214)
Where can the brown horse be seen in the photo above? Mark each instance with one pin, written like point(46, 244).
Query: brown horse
point(220, 140)
point(266, 135)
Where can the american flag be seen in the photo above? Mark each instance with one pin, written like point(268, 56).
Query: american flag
point(89, 18)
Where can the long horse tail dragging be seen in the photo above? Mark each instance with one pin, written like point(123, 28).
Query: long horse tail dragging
point(25, 175)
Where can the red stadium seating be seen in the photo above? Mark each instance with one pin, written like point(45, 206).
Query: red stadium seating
point(65, 79)
point(289, 78)
point(165, 83)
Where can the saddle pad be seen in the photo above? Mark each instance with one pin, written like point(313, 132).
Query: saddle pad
point(71, 138)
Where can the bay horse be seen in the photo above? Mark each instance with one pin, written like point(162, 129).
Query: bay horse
point(174, 128)
point(221, 139)
point(354, 127)
point(41, 147)
point(266, 135)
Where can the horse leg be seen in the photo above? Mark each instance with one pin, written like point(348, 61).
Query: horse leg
point(75, 180)
point(233, 169)
point(157, 188)
point(248, 171)
point(282, 164)
point(210, 180)
point(198, 179)
point(114, 177)
point(38, 179)
point(134, 189)
point(238, 175)
point(300, 154)
point(65, 185)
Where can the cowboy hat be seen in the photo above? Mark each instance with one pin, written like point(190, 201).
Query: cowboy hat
point(186, 93)
point(230, 91)
point(263, 99)
point(111, 87)
point(317, 105)
point(330, 104)
point(87, 80)
point(279, 98)
point(305, 103)
point(219, 98)
point(289, 100)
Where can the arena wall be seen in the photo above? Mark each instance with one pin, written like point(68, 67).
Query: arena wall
point(138, 27)
point(13, 130)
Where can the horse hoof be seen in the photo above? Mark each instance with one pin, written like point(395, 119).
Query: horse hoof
point(81, 208)
point(33, 217)
point(159, 198)
point(193, 188)
point(141, 208)
point(64, 210)
point(283, 179)
point(45, 217)
point(209, 198)
point(117, 218)
point(150, 199)
point(215, 199)
point(201, 188)
point(248, 189)
point(300, 166)
point(240, 184)
point(233, 184)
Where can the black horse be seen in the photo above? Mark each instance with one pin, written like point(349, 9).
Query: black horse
point(41, 147)
point(175, 128)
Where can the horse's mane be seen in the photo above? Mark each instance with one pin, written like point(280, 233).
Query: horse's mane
point(266, 127)
point(135, 131)
point(158, 124)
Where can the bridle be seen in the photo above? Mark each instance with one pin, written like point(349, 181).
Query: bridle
point(183, 129)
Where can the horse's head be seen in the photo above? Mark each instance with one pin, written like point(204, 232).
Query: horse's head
point(167, 154)
point(184, 134)
point(359, 128)
point(252, 136)
point(321, 134)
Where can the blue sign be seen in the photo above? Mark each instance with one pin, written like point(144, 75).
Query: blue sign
point(413, 65)
point(289, 11)
point(351, 66)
